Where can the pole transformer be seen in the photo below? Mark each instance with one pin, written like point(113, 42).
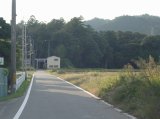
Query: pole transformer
point(13, 48)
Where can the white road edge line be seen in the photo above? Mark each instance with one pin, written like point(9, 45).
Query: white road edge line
point(128, 115)
point(18, 114)
point(80, 88)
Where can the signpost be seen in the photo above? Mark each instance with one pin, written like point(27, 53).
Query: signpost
point(1, 61)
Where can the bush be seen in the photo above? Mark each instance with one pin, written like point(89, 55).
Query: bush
point(137, 92)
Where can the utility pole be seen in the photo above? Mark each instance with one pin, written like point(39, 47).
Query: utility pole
point(30, 52)
point(23, 48)
point(33, 50)
point(48, 48)
point(13, 48)
point(25, 51)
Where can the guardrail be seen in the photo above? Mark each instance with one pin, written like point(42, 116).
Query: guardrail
point(20, 79)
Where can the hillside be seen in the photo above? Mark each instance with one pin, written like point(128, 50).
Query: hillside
point(97, 23)
point(146, 24)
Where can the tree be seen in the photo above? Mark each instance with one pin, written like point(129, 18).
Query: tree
point(5, 52)
point(80, 46)
point(151, 46)
point(5, 46)
point(5, 29)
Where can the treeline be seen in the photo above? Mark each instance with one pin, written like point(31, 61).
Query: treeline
point(5, 45)
point(146, 24)
point(5, 32)
point(80, 46)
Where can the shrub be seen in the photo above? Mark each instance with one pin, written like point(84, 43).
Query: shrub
point(137, 92)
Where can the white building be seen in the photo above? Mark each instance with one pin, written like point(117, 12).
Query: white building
point(53, 62)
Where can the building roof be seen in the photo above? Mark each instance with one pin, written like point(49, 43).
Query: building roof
point(53, 57)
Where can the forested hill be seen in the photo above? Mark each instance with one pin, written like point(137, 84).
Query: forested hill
point(97, 23)
point(146, 24)
point(80, 46)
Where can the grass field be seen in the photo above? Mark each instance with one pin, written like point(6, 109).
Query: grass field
point(91, 81)
point(136, 92)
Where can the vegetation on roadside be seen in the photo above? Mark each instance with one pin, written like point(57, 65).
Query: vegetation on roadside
point(20, 91)
point(93, 81)
point(135, 92)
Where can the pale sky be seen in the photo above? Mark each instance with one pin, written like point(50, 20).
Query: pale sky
point(46, 10)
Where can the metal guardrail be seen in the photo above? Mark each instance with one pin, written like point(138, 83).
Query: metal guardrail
point(20, 79)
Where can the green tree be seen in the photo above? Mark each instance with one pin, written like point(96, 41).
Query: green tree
point(5, 51)
point(5, 29)
point(80, 46)
point(151, 46)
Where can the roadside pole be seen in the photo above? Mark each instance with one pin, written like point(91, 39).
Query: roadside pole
point(13, 48)
point(25, 51)
point(23, 48)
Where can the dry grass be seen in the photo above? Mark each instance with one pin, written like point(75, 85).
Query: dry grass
point(136, 92)
point(91, 81)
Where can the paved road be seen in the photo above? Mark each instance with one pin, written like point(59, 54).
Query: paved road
point(52, 98)
point(9, 108)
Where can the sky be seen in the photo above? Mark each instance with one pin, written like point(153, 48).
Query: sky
point(46, 10)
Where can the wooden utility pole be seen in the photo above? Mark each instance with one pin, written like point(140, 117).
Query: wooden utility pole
point(25, 50)
point(30, 52)
point(48, 48)
point(13, 47)
point(23, 47)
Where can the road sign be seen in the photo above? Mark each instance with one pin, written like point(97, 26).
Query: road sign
point(1, 61)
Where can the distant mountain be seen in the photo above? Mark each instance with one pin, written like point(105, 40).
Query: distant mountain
point(97, 23)
point(146, 24)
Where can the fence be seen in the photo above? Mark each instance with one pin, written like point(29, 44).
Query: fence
point(3, 82)
point(20, 78)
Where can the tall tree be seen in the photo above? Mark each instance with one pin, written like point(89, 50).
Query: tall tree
point(5, 29)
point(151, 46)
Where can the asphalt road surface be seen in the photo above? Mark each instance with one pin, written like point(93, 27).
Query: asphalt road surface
point(52, 98)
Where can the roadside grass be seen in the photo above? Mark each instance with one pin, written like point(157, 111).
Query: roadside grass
point(20, 92)
point(91, 81)
point(135, 92)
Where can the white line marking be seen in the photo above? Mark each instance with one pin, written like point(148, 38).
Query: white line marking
point(118, 110)
point(128, 115)
point(18, 114)
point(80, 89)
point(107, 103)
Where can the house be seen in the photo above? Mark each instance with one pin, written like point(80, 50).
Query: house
point(53, 62)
